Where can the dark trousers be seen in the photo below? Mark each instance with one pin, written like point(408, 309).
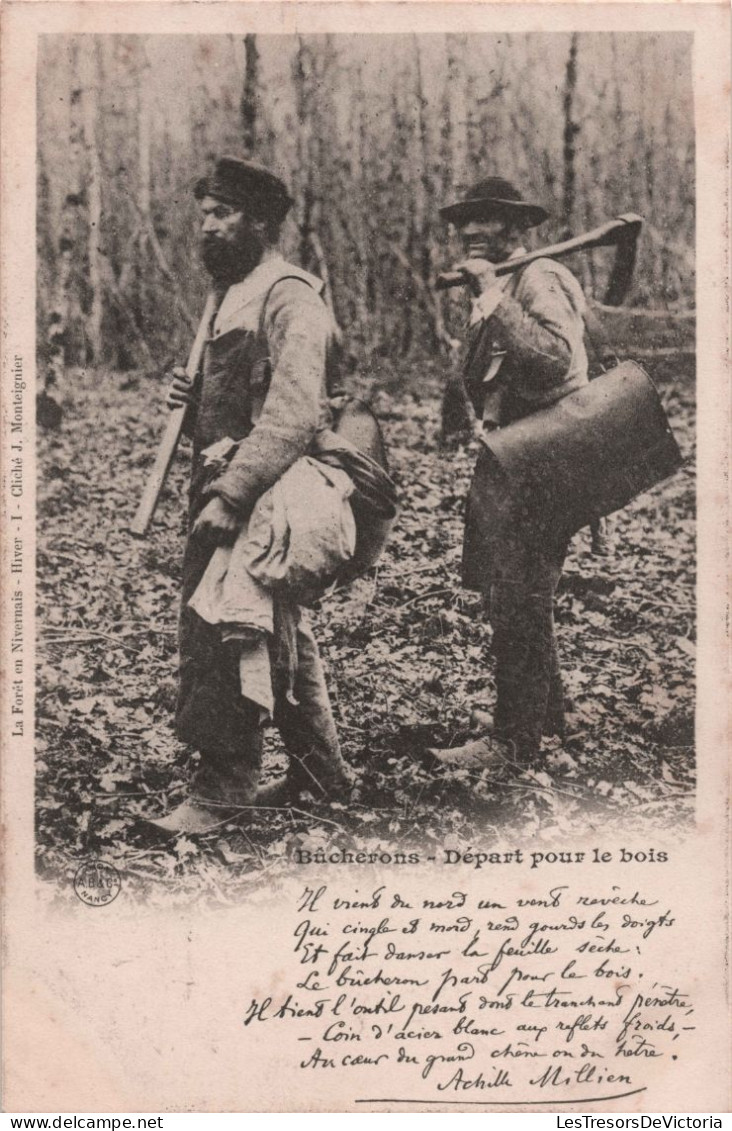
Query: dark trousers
point(529, 691)
point(214, 717)
point(306, 724)
point(513, 554)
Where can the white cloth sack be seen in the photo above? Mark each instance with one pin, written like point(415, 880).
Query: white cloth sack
point(302, 530)
point(300, 533)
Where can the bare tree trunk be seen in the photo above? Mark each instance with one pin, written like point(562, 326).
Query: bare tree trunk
point(311, 75)
point(457, 108)
point(425, 195)
point(140, 302)
point(123, 142)
point(455, 411)
point(301, 73)
point(571, 129)
point(64, 306)
point(474, 140)
point(355, 221)
point(89, 72)
point(144, 175)
point(248, 106)
point(400, 284)
point(419, 261)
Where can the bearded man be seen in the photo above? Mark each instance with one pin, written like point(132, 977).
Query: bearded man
point(525, 351)
point(262, 385)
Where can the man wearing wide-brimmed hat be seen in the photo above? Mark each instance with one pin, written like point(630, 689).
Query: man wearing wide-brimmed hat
point(524, 352)
point(256, 407)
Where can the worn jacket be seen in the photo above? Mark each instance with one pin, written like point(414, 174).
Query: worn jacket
point(264, 381)
point(535, 326)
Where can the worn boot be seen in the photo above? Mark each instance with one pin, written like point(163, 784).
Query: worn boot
point(223, 787)
point(290, 790)
point(193, 818)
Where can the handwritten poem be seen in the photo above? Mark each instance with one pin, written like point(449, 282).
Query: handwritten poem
point(467, 997)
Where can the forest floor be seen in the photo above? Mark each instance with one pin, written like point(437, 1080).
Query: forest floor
point(407, 653)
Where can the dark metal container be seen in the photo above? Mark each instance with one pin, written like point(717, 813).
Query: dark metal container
point(561, 467)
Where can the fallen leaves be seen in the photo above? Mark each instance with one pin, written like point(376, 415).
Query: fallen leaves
point(407, 652)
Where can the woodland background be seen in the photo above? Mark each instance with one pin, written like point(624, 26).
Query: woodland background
point(373, 134)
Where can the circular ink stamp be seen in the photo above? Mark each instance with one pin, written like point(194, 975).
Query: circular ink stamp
point(97, 883)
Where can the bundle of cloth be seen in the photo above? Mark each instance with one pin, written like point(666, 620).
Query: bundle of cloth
point(323, 523)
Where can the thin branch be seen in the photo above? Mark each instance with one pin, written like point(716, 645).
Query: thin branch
point(423, 597)
point(641, 312)
point(85, 636)
point(661, 351)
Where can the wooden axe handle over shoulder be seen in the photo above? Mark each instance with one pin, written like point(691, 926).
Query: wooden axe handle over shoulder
point(621, 232)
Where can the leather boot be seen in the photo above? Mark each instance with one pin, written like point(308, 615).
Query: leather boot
point(223, 787)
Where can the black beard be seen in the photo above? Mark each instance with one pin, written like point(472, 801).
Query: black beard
point(494, 253)
point(228, 263)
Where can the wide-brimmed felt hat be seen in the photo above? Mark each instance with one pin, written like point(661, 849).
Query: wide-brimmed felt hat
point(493, 197)
point(245, 184)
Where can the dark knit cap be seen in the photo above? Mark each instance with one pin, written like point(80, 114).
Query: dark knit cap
point(491, 198)
point(244, 184)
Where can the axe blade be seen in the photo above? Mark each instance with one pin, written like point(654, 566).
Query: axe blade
point(625, 256)
point(633, 220)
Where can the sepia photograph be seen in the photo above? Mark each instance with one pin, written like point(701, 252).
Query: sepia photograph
point(366, 446)
point(366, 655)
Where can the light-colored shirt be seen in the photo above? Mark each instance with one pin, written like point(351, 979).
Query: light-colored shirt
point(536, 321)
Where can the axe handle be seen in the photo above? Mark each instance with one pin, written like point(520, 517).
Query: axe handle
point(158, 474)
point(606, 235)
point(171, 435)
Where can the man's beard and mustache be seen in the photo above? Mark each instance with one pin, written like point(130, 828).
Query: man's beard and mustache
point(228, 262)
point(496, 249)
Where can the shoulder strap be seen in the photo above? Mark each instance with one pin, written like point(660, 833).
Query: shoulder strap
point(605, 355)
point(265, 300)
point(259, 397)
